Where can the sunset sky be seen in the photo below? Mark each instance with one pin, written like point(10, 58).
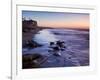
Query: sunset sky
point(58, 19)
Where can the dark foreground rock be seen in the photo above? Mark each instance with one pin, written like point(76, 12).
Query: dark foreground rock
point(32, 60)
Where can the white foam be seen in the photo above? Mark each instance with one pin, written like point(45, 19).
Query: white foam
point(44, 36)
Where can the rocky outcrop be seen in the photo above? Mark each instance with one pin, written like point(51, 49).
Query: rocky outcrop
point(31, 44)
point(28, 25)
point(29, 29)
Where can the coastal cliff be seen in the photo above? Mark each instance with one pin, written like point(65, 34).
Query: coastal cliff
point(29, 29)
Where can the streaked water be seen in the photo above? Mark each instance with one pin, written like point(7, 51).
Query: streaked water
point(76, 42)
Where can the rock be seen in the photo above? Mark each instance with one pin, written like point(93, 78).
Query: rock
point(31, 44)
point(28, 25)
point(31, 60)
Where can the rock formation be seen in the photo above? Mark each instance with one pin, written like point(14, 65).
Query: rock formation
point(28, 25)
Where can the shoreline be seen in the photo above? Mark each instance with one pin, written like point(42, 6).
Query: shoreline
point(27, 36)
point(67, 58)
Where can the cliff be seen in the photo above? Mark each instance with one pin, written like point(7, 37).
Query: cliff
point(28, 25)
point(29, 29)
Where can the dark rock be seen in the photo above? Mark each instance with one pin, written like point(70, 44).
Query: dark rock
point(31, 44)
point(31, 60)
point(27, 25)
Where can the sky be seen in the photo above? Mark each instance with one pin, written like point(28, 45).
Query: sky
point(58, 19)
